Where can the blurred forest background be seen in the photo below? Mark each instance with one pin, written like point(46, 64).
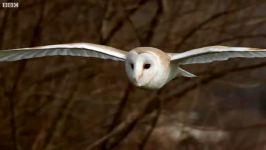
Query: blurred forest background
point(66, 103)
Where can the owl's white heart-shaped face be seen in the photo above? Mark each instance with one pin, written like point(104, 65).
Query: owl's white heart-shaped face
point(141, 68)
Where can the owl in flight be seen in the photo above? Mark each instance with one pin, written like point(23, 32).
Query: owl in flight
point(146, 67)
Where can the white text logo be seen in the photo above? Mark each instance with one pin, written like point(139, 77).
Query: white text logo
point(10, 4)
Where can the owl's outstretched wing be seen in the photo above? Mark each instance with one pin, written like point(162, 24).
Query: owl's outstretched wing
point(215, 53)
point(75, 49)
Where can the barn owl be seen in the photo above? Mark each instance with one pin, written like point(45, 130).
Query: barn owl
point(146, 67)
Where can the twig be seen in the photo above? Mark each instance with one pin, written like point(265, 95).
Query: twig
point(117, 116)
point(199, 26)
point(153, 125)
point(126, 126)
point(13, 89)
point(57, 122)
point(121, 22)
point(135, 116)
point(213, 76)
point(12, 108)
point(154, 23)
point(3, 27)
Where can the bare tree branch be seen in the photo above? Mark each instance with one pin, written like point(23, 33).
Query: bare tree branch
point(127, 125)
point(153, 124)
point(202, 24)
point(118, 114)
point(17, 79)
point(59, 119)
point(211, 77)
point(3, 27)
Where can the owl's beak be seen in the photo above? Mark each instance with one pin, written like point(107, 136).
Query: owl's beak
point(138, 76)
point(138, 70)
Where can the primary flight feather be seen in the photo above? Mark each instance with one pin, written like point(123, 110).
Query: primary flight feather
point(146, 67)
point(76, 49)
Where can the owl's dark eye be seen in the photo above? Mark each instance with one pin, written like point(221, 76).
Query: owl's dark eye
point(132, 66)
point(146, 66)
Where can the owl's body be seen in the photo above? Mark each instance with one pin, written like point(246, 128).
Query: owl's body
point(146, 67)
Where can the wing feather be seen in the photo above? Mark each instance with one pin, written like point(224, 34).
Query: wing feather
point(76, 49)
point(215, 53)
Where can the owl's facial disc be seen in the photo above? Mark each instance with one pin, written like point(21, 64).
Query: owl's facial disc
point(141, 68)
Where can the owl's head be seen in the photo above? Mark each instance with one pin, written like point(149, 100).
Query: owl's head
point(141, 67)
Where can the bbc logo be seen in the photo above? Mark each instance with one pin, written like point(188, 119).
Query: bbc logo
point(10, 5)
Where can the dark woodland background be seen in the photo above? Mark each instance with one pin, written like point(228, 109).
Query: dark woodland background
point(66, 103)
